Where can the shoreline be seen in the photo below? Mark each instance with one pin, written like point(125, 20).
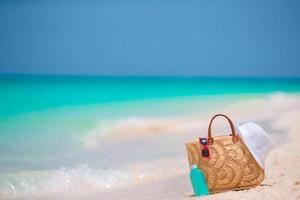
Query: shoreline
point(165, 174)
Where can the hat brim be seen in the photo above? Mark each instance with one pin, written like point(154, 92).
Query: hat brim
point(253, 152)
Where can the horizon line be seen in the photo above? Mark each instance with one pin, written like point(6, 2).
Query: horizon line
point(144, 76)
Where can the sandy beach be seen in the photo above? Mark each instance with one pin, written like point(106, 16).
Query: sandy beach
point(279, 115)
point(162, 171)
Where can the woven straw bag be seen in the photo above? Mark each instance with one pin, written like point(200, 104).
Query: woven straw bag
point(230, 165)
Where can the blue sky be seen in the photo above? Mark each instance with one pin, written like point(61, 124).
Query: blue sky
point(158, 37)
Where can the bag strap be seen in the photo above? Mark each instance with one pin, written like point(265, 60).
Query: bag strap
point(233, 133)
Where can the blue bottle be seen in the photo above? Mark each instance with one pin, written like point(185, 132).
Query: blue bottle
point(198, 181)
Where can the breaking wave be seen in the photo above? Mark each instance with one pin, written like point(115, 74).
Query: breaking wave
point(134, 126)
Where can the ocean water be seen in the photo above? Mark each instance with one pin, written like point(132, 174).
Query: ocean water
point(52, 127)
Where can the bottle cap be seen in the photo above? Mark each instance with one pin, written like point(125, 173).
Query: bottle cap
point(194, 166)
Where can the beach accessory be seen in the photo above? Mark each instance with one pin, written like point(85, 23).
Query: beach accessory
point(198, 181)
point(205, 150)
point(231, 165)
point(257, 140)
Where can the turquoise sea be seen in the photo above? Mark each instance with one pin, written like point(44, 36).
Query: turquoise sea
point(44, 120)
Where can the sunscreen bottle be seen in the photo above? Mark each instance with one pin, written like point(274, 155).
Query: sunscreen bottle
point(198, 181)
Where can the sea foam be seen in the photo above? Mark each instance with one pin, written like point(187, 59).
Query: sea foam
point(63, 181)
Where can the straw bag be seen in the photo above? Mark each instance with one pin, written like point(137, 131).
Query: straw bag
point(230, 165)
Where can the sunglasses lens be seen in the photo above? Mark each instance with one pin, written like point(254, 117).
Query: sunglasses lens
point(205, 153)
point(203, 141)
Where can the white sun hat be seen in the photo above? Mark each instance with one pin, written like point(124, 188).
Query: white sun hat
point(257, 140)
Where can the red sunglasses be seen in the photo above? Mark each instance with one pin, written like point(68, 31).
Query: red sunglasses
point(205, 151)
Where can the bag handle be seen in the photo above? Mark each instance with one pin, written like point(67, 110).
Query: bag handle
point(233, 133)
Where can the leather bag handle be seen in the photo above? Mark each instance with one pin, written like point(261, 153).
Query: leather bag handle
point(233, 133)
